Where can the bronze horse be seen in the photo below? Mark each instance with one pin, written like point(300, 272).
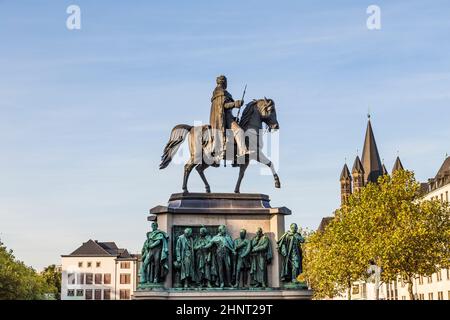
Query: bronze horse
point(255, 114)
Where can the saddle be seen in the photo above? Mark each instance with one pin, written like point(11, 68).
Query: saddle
point(207, 139)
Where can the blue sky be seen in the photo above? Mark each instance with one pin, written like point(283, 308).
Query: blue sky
point(84, 114)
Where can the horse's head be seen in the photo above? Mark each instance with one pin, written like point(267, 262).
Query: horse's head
point(268, 113)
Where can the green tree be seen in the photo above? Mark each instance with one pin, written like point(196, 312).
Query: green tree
point(404, 234)
point(332, 259)
point(52, 276)
point(387, 223)
point(18, 281)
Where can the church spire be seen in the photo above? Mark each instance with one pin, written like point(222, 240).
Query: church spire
point(346, 185)
point(397, 165)
point(370, 158)
point(384, 170)
point(358, 175)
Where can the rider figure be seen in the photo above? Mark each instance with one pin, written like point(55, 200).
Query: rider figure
point(222, 118)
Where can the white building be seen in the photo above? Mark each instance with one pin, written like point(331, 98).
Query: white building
point(98, 271)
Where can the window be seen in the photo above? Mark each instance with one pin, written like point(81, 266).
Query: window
point(403, 297)
point(440, 295)
point(421, 296)
point(446, 196)
point(448, 293)
point(89, 278)
point(442, 198)
point(71, 278)
point(439, 275)
point(79, 292)
point(88, 294)
point(70, 293)
point(98, 264)
point(98, 294)
point(89, 264)
point(125, 278)
point(124, 294)
point(420, 280)
point(430, 279)
point(80, 264)
point(80, 278)
point(98, 278)
point(430, 296)
point(125, 265)
point(107, 294)
point(107, 278)
point(448, 274)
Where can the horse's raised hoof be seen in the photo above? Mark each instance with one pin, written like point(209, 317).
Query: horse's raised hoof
point(277, 182)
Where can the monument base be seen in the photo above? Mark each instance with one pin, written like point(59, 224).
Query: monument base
point(235, 211)
point(268, 294)
point(209, 211)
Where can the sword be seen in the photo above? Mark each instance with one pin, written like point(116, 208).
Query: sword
point(239, 111)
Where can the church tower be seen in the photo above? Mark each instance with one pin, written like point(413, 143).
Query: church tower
point(397, 165)
point(384, 170)
point(358, 175)
point(346, 185)
point(370, 158)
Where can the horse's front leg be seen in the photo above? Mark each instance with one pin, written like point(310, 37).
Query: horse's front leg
point(264, 160)
point(275, 175)
point(242, 169)
point(200, 168)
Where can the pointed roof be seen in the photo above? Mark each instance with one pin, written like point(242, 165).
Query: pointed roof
point(370, 156)
point(91, 248)
point(384, 170)
point(323, 224)
point(445, 168)
point(345, 174)
point(357, 166)
point(397, 165)
point(94, 248)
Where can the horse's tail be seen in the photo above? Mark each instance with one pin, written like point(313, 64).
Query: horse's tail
point(177, 136)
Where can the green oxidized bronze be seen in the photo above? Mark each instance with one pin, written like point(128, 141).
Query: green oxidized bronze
point(184, 253)
point(241, 264)
point(261, 256)
point(205, 266)
point(224, 250)
point(155, 254)
point(289, 246)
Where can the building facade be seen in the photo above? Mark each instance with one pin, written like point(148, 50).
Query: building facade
point(99, 271)
point(367, 169)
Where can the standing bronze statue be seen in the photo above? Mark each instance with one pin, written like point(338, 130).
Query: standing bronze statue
point(289, 246)
point(224, 251)
point(207, 143)
point(261, 256)
point(155, 254)
point(205, 269)
point(184, 252)
point(243, 248)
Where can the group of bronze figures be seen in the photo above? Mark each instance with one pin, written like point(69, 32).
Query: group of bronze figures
point(209, 261)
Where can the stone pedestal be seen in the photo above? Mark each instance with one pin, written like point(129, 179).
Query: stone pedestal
point(235, 211)
point(269, 294)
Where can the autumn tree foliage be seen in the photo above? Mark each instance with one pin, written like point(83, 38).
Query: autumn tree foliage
point(387, 223)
